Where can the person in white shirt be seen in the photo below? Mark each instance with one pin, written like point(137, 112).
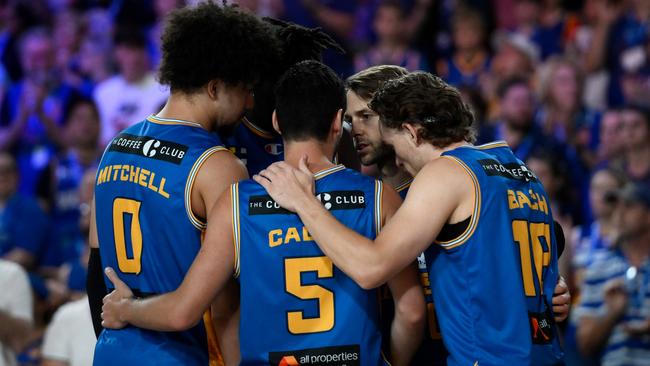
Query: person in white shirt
point(134, 93)
point(16, 311)
point(70, 339)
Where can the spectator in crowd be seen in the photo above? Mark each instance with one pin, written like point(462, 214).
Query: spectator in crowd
point(516, 125)
point(513, 58)
point(161, 8)
point(336, 17)
point(610, 141)
point(67, 37)
point(562, 115)
point(23, 225)
point(619, 27)
point(471, 59)
point(392, 47)
point(636, 137)
point(15, 311)
point(70, 339)
point(614, 316)
point(32, 110)
point(594, 240)
point(61, 184)
point(134, 93)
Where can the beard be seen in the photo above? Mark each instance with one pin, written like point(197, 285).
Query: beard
point(380, 156)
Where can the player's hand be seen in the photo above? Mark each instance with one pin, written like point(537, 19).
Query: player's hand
point(561, 300)
point(286, 184)
point(115, 302)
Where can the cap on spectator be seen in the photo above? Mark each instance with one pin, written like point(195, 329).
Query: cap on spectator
point(635, 193)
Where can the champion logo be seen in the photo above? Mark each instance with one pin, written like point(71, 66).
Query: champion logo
point(149, 148)
point(274, 149)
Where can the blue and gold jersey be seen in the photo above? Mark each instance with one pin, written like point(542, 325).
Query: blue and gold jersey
point(149, 235)
point(493, 283)
point(297, 307)
point(255, 147)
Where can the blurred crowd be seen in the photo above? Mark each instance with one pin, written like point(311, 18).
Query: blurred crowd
point(565, 83)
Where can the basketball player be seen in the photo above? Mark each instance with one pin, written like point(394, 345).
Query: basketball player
point(158, 178)
point(254, 141)
point(493, 264)
point(295, 304)
point(373, 152)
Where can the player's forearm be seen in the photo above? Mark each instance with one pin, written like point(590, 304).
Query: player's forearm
point(354, 254)
point(162, 313)
point(405, 338)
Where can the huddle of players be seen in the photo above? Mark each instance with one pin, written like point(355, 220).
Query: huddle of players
point(296, 307)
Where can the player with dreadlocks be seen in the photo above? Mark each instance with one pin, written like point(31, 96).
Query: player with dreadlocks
point(255, 141)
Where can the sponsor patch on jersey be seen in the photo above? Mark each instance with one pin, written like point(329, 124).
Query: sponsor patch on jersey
point(334, 200)
point(511, 170)
point(338, 355)
point(541, 328)
point(149, 147)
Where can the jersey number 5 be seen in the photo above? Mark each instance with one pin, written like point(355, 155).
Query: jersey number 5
point(121, 208)
point(529, 238)
point(293, 269)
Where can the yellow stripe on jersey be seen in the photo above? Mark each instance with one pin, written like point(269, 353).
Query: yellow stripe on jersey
point(402, 186)
point(198, 223)
point(234, 199)
point(256, 130)
point(492, 145)
point(326, 172)
point(214, 351)
point(170, 121)
point(462, 238)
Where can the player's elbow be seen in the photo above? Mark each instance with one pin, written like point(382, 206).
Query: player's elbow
point(368, 277)
point(181, 319)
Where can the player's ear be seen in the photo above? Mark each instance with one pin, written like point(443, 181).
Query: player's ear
point(212, 88)
point(274, 120)
point(412, 133)
point(337, 124)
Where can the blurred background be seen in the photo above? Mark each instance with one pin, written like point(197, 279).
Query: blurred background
point(565, 83)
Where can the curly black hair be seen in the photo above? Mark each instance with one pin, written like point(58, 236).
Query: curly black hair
point(297, 44)
point(209, 41)
point(426, 101)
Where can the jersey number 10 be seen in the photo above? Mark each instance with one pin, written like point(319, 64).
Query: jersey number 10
point(528, 235)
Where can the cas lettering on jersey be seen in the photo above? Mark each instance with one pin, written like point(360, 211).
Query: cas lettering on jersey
point(149, 147)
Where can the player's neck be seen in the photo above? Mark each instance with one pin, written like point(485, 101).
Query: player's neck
point(318, 155)
point(392, 174)
point(182, 107)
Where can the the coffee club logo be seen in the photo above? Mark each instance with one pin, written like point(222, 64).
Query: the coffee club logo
point(149, 147)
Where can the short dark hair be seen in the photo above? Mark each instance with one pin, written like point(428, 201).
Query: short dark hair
point(365, 83)
point(208, 42)
point(76, 100)
point(428, 102)
point(308, 96)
